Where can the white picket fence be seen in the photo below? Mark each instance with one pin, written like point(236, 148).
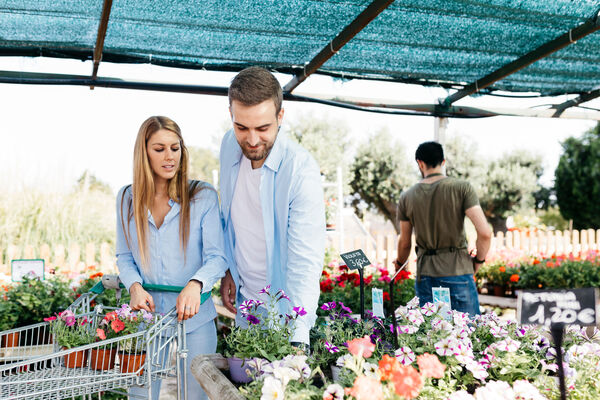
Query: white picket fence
point(382, 248)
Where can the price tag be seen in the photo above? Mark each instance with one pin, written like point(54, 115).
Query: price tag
point(377, 296)
point(557, 307)
point(355, 259)
point(20, 268)
point(441, 296)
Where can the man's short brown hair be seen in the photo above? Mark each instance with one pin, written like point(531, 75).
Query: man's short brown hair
point(254, 85)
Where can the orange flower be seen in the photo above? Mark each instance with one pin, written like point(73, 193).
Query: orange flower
point(514, 278)
point(407, 382)
point(100, 333)
point(366, 388)
point(387, 365)
point(111, 316)
point(502, 268)
point(430, 366)
point(550, 264)
point(361, 347)
point(539, 285)
point(117, 326)
point(536, 261)
point(96, 275)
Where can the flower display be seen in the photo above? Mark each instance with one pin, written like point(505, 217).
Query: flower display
point(70, 331)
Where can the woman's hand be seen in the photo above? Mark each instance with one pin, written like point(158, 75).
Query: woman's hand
point(140, 299)
point(188, 301)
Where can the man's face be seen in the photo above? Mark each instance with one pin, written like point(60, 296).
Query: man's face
point(255, 128)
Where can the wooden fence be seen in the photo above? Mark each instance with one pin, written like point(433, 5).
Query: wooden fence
point(74, 258)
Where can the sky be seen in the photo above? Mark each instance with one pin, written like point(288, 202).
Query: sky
point(51, 134)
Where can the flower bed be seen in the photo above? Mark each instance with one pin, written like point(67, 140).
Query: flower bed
point(439, 356)
point(539, 272)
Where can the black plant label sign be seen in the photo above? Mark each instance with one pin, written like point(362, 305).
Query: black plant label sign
point(355, 259)
point(558, 307)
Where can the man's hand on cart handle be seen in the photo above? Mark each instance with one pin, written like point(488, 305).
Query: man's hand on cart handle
point(228, 292)
point(188, 301)
point(140, 299)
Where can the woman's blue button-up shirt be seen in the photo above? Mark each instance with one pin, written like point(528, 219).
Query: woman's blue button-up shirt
point(204, 259)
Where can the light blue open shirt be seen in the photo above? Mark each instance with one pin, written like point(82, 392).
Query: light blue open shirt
point(204, 260)
point(293, 209)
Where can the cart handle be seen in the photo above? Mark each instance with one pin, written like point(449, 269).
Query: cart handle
point(113, 282)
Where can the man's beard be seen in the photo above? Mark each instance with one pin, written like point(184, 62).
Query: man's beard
point(258, 154)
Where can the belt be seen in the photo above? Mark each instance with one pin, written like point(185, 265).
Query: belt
point(433, 252)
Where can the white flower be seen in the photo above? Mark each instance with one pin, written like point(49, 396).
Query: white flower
point(461, 395)
point(370, 370)
point(429, 309)
point(298, 363)
point(460, 318)
point(413, 303)
point(343, 360)
point(409, 329)
point(272, 389)
point(335, 391)
point(495, 390)
point(446, 347)
point(477, 370)
point(415, 317)
point(575, 352)
point(405, 355)
point(463, 354)
point(441, 324)
point(498, 331)
point(526, 391)
point(286, 374)
point(508, 345)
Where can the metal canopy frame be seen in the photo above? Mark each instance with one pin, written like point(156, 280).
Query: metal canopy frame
point(357, 25)
point(102, 28)
point(570, 37)
point(443, 109)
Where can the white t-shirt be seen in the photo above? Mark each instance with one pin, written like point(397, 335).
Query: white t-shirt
point(250, 244)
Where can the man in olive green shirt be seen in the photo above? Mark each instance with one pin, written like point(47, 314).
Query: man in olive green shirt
point(436, 208)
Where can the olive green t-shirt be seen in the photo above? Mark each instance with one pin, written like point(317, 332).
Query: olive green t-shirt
point(437, 213)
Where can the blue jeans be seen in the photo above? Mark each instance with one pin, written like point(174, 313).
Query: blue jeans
point(463, 292)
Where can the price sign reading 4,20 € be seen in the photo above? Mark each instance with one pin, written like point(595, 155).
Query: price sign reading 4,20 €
point(355, 259)
point(558, 307)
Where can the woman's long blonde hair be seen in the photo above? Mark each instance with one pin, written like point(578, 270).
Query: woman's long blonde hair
point(143, 188)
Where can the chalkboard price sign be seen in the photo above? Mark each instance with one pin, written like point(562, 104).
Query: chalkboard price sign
point(558, 307)
point(355, 259)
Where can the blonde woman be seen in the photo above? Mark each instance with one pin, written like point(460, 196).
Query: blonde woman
point(169, 232)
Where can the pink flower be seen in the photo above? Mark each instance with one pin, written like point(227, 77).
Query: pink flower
point(407, 382)
point(300, 311)
point(100, 333)
point(361, 347)
point(50, 319)
point(366, 388)
point(430, 366)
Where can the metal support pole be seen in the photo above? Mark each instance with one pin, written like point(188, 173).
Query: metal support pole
point(439, 129)
point(340, 194)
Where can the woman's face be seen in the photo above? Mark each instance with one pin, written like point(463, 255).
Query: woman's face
point(164, 154)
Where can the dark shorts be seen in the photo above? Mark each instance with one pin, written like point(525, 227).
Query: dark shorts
point(463, 292)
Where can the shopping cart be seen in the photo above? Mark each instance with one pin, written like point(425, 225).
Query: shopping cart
point(37, 368)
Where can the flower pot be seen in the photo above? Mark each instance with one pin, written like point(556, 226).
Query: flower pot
point(102, 359)
point(132, 362)
point(76, 359)
point(11, 339)
point(335, 373)
point(498, 290)
point(237, 369)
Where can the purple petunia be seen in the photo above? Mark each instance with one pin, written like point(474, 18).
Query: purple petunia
point(331, 347)
point(329, 306)
point(344, 308)
point(265, 290)
point(282, 295)
point(252, 319)
point(300, 311)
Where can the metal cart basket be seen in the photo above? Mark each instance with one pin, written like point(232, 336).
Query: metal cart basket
point(37, 368)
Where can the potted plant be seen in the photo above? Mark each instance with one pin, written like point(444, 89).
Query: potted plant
point(70, 332)
point(9, 315)
point(103, 357)
point(267, 336)
point(122, 322)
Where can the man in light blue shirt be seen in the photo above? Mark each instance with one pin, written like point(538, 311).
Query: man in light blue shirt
point(272, 204)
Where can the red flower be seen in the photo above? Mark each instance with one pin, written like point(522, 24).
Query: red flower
point(343, 267)
point(342, 284)
point(402, 276)
point(100, 333)
point(514, 278)
point(117, 326)
point(536, 261)
point(326, 285)
point(368, 279)
point(550, 264)
point(386, 296)
point(111, 316)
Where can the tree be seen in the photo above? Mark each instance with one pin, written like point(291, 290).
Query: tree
point(88, 182)
point(503, 185)
point(380, 172)
point(202, 163)
point(326, 140)
point(577, 180)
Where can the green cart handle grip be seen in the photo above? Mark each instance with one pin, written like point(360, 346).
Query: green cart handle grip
point(111, 282)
